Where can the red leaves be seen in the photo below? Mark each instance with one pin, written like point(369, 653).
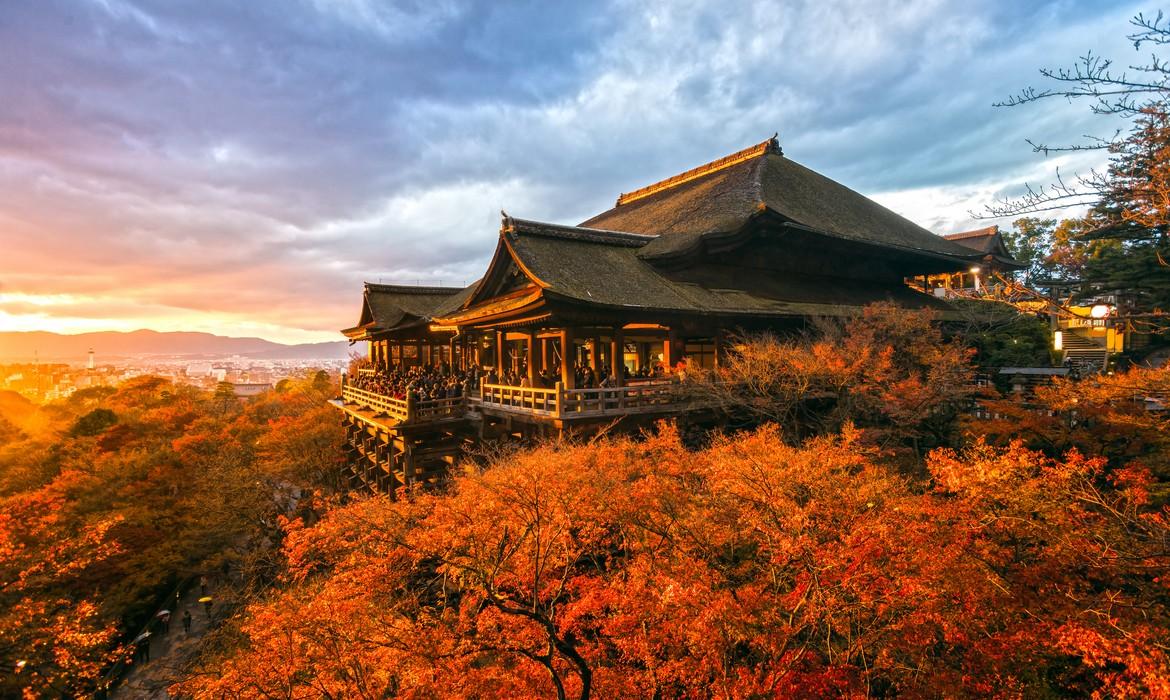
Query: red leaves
point(748, 569)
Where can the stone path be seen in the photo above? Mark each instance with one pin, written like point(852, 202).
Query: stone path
point(169, 652)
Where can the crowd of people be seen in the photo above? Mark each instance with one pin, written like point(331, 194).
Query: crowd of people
point(585, 377)
point(443, 381)
point(423, 383)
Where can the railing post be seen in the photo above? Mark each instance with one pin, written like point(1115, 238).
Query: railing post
point(559, 398)
point(410, 401)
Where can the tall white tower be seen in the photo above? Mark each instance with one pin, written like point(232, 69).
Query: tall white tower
point(90, 365)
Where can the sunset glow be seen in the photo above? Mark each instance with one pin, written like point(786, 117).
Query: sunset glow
point(178, 170)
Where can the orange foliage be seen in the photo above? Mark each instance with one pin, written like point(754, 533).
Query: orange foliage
point(1102, 415)
point(889, 372)
point(748, 569)
point(98, 524)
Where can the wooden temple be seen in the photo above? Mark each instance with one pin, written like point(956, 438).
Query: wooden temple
point(980, 277)
point(574, 327)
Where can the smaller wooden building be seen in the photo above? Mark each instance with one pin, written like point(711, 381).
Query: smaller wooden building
point(980, 277)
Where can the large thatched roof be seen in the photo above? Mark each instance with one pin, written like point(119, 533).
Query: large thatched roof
point(723, 195)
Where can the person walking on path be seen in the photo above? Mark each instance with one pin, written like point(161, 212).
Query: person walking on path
point(186, 622)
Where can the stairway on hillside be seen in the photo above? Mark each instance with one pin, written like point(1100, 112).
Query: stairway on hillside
point(1084, 354)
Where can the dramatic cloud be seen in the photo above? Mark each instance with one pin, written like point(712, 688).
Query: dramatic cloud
point(242, 167)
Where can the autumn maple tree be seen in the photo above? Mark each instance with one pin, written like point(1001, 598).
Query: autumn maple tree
point(750, 568)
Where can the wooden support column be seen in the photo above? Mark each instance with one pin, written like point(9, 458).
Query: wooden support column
point(617, 351)
point(595, 354)
point(500, 355)
point(719, 349)
point(451, 352)
point(533, 360)
point(568, 355)
point(418, 352)
point(545, 355)
point(670, 350)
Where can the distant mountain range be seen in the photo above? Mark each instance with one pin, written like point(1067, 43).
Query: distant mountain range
point(111, 345)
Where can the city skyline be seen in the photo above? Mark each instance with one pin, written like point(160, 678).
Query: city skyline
point(242, 171)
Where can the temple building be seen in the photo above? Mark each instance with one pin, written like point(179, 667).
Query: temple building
point(572, 327)
point(981, 277)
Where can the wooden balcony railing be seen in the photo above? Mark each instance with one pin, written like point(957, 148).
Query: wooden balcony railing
point(636, 398)
point(397, 409)
point(404, 410)
point(558, 402)
point(580, 403)
point(523, 399)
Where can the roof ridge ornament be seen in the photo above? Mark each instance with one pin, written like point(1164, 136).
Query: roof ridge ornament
point(772, 145)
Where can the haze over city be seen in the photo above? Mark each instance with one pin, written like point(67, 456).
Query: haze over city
point(240, 169)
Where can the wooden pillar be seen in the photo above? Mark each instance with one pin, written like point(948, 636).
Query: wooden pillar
point(418, 352)
point(500, 355)
point(617, 351)
point(545, 355)
point(568, 355)
point(533, 360)
point(385, 355)
point(719, 349)
point(670, 350)
point(595, 353)
point(451, 352)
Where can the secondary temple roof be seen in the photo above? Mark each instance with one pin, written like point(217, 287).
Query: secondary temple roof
point(386, 306)
point(989, 242)
point(602, 268)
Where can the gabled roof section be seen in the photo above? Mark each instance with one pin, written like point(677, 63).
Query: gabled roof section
point(389, 306)
point(508, 259)
point(455, 301)
point(590, 265)
point(515, 227)
point(722, 196)
point(988, 242)
point(604, 268)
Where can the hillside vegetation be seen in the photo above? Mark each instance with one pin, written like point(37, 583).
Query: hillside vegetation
point(1024, 556)
point(110, 498)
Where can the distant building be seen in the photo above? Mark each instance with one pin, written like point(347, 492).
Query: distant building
point(248, 390)
point(199, 369)
point(90, 365)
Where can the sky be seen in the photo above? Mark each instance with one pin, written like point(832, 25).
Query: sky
point(242, 167)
